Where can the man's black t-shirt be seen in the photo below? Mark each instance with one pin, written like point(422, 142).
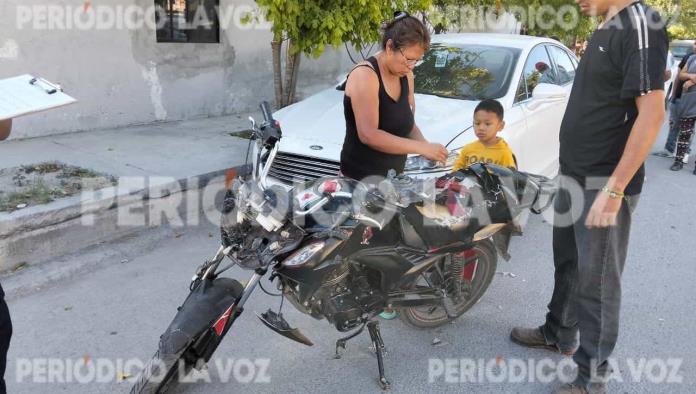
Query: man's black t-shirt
point(625, 59)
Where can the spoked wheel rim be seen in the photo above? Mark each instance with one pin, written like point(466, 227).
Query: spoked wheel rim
point(475, 279)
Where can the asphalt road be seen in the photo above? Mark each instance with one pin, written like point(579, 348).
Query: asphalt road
point(115, 304)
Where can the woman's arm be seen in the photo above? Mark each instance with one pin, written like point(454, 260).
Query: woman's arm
point(688, 85)
point(684, 74)
point(363, 90)
point(5, 128)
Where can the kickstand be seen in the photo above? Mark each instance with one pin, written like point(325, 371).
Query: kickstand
point(376, 336)
point(341, 343)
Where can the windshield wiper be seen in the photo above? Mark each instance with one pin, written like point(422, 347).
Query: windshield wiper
point(452, 97)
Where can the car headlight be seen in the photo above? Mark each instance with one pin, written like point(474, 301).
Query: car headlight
point(422, 164)
point(303, 255)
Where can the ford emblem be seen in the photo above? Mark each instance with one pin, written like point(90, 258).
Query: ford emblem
point(316, 147)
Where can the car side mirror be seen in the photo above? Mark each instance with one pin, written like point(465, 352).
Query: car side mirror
point(546, 93)
point(342, 84)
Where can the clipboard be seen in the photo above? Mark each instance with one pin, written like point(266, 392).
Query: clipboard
point(27, 94)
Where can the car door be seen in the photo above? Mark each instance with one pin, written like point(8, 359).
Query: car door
point(541, 144)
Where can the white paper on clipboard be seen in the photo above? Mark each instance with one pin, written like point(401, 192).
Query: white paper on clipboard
point(26, 94)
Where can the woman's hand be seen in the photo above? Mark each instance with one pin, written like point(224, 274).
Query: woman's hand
point(688, 85)
point(434, 152)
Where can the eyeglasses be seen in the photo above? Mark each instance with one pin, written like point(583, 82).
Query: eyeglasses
point(411, 62)
point(400, 15)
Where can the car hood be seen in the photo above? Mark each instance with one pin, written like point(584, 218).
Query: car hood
point(316, 126)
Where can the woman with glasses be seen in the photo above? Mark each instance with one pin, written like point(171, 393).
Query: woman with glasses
point(379, 105)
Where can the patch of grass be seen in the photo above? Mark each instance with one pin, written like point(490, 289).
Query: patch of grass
point(246, 134)
point(43, 168)
point(35, 194)
point(45, 182)
point(77, 172)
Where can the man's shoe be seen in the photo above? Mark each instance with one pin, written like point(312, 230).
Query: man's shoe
point(388, 314)
point(677, 166)
point(570, 388)
point(534, 338)
point(664, 153)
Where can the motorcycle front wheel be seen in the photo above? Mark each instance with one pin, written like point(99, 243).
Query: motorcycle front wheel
point(190, 337)
point(480, 263)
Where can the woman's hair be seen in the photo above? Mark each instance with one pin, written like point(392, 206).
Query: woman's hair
point(405, 31)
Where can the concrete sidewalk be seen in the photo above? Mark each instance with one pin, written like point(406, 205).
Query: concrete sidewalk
point(190, 153)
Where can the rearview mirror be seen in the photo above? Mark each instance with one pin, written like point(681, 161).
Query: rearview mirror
point(547, 91)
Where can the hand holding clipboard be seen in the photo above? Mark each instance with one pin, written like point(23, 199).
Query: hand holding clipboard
point(5, 128)
point(27, 94)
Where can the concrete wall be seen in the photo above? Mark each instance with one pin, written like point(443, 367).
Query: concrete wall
point(123, 76)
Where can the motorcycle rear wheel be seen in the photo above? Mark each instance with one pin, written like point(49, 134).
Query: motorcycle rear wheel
point(486, 258)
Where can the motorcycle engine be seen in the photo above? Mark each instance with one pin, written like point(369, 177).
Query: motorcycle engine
point(344, 298)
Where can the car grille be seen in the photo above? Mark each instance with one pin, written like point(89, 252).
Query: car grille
point(288, 167)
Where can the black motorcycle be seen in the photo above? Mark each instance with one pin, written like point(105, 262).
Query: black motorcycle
point(345, 251)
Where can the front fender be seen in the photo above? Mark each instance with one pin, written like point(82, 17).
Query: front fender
point(202, 307)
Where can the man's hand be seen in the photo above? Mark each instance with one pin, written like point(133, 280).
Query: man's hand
point(688, 85)
point(5, 128)
point(604, 211)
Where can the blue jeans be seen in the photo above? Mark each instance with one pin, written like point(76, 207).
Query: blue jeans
point(587, 290)
point(671, 144)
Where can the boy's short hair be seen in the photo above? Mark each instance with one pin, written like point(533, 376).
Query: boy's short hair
point(491, 105)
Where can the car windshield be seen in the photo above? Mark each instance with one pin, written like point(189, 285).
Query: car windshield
point(680, 51)
point(467, 72)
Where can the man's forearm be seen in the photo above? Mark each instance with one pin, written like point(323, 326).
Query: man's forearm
point(643, 135)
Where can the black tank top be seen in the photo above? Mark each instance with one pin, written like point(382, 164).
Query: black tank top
point(395, 117)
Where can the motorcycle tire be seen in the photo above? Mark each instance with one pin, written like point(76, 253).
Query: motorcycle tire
point(175, 356)
point(486, 259)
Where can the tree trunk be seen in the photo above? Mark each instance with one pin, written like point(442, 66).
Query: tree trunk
point(293, 82)
point(276, 46)
point(289, 69)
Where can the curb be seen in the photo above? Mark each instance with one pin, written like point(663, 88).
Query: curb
point(36, 234)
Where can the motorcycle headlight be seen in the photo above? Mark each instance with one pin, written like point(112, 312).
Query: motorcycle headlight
point(421, 164)
point(303, 255)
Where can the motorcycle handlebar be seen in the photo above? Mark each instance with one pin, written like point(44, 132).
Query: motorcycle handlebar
point(547, 189)
point(319, 204)
point(266, 111)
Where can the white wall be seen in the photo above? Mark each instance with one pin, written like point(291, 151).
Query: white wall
point(123, 76)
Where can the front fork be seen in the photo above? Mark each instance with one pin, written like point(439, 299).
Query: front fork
point(207, 343)
point(224, 322)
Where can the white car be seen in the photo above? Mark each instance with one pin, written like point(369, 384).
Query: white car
point(681, 48)
point(673, 67)
point(531, 77)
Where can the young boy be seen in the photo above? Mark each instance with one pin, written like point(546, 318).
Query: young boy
point(490, 149)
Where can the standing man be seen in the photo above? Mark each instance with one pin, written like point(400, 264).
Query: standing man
point(5, 322)
point(614, 114)
point(682, 77)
